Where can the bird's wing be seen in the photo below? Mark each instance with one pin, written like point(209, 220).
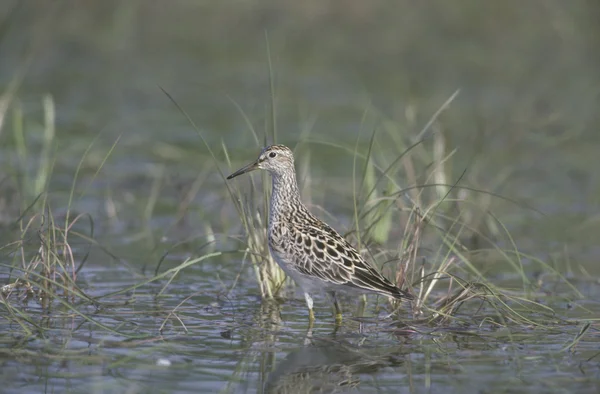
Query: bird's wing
point(321, 252)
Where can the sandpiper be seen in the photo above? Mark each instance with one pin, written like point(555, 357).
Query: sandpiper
point(307, 249)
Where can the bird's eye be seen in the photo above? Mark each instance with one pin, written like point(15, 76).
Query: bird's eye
point(272, 155)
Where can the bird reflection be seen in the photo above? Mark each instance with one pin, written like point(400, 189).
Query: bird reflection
point(327, 365)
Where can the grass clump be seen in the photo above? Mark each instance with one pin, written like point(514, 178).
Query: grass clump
point(435, 231)
point(269, 276)
point(50, 270)
point(39, 249)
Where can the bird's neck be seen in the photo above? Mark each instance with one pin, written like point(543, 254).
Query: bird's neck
point(285, 197)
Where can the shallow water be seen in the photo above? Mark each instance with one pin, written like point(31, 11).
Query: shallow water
point(239, 344)
point(524, 126)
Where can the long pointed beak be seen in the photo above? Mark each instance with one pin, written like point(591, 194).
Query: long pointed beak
point(243, 170)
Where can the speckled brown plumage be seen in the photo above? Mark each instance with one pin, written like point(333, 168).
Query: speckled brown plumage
point(306, 248)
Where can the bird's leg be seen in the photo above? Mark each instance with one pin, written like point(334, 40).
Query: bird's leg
point(311, 314)
point(338, 308)
point(361, 306)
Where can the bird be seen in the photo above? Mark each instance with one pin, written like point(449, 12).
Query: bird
point(307, 249)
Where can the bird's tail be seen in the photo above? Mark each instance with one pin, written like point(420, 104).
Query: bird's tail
point(399, 294)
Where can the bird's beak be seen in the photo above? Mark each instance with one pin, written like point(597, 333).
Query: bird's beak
point(243, 170)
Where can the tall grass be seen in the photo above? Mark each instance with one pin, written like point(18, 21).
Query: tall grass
point(445, 222)
point(410, 209)
point(43, 263)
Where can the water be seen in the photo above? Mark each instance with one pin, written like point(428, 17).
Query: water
point(237, 344)
point(523, 126)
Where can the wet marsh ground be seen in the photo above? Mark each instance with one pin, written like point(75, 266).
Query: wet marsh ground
point(455, 145)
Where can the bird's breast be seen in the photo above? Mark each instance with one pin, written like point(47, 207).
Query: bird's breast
point(277, 237)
